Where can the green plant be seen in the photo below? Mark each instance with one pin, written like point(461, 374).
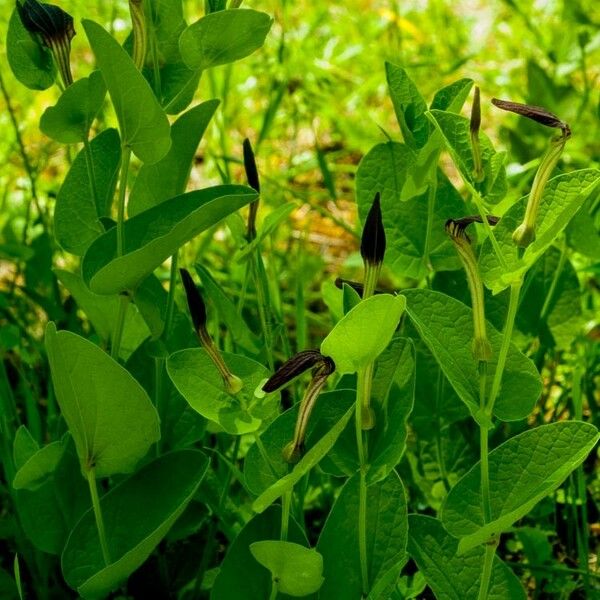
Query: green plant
point(158, 446)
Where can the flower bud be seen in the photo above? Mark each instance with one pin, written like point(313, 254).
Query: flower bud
point(535, 113)
point(372, 245)
point(140, 32)
point(292, 451)
point(197, 308)
point(475, 124)
point(455, 228)
point(254, 183)
point(55, 29)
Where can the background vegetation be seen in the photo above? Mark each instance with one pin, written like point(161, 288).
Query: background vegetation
point(314, 101)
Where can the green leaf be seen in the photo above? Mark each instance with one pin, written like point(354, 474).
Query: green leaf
point(446, 326)
point(387, 532)
point(451, 576)
point(198, 380)
point(455, 131)
point(31, 63)
point(522, 471)
point(143, 125)
point(583, 232)
point(240, 576)
point(155, 234)
point(388, 168)
point(409, 106)
point(137, 514)
point(223, 37)
point(42, 464)
point(168, 177)
point(102, 311)
point(555, 279)
point(452, 97)
point(295, 569)
point(70, 119)
point(563, 196)
point(49, 512)
point(388, 440)
point(77, 215)
point(109, 415)
point(24, 446)
point(363, 334)
point(306, 463)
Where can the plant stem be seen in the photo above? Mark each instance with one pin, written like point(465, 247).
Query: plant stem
point(555, 279)
point(115, 345)
point(125, 158)
point(171, 296)
point(484, 448)
point(362, 507)
point(515, 291)
point(285, 514)
point(89, 163)
point(91, 477)
point(486, 573)
point(362, 532)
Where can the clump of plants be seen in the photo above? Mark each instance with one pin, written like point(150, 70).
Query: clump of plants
point(185, 450)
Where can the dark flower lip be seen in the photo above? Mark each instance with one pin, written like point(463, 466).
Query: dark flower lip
point(194, 300)
point(535, 113)
point(47, 20)
point(250, 166)
point(372, 244)
point(298, 364)
point(475, 123)
point(456, 227)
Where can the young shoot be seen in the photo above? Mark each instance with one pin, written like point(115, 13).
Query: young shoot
point(197, 308)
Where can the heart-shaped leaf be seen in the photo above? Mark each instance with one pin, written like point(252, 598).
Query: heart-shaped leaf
point(107, 411)
point(446, 326)
point(143, 124)
point(70, 119)
point(81, 205)
point(522, 471)
point(168, 177)
point(296, 570)
point(137, 514)
point(563, 196)
point(155, 234)
point(364, 332)
point(451, 576)
point(223, 37)
point(198, 380)
point(387, 533)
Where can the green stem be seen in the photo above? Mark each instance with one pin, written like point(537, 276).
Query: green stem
point(263, 304)
point(484, 448)
point(171, 296)
point(430, 214)
point(115, 345)
point(557, 273)
point(125, 158)
point(89, 163)
point(362, 507)
point(515, 290)
point(362, 533)
point(285, 514)
point(91, 477)
point(486, 573)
